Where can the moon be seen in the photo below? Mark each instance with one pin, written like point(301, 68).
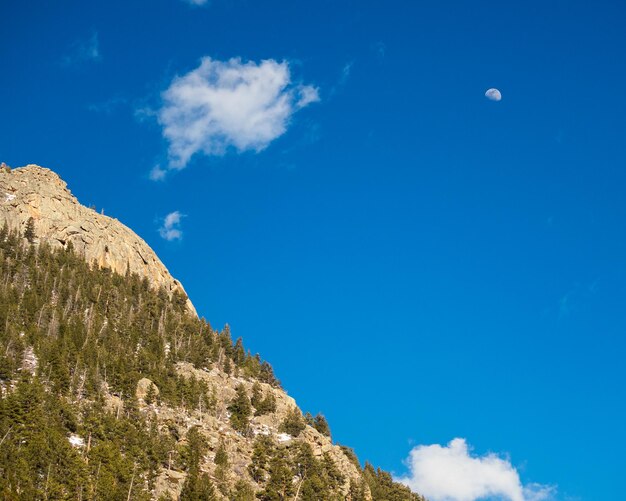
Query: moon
point(493, 94)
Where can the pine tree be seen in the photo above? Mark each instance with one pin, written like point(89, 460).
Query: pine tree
point(198, 488)
point(293, 422)
point(151, 395)
point(262, 405)
point(29, 231)
point(321, 425)
point(240, 410)
point(280, 484)
point(221, 456)
point(356, 492)
point(221, 470)
point(267, 405)
point(262, 451)
point(257, 395)
point(243, 492)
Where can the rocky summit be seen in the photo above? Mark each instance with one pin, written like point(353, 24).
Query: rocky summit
point(60, 219)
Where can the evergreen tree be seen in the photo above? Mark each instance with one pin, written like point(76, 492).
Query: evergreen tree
point(262, 451)
point(321, 425)
point(221, 456)
point(293, 422)
point(198, 488)
point(357, 491)
point(221, 470)
point(29, 231)
point(257, 395)
point(382, 486)
point(240, 410)
point(280, 484)
point(151, 395)
point(262, 405)
point(243, 491)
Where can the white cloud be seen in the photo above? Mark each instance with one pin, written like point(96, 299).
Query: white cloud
point(170, 229)
point(342, 81)
point(493, 95)
point(109, 106)
point(83, 51)
point(308, 95)
point(197, 2)
point(451, 473)
point(345, 72)
point(157, 173)
point(229, 104)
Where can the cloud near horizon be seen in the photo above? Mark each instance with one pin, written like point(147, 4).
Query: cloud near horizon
point(452, 473)
point(229, 104)
point(170, 229)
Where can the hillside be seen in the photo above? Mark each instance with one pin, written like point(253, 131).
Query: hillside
point(113, 388)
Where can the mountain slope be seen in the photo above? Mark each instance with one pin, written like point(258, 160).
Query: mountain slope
point(111, 388)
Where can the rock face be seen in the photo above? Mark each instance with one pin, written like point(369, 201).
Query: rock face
point(59, 218)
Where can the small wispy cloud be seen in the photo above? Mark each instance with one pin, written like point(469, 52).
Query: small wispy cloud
point(170, 228)
point(452, 473)
point(83, 51)
point(145, 114)
point(576, 298)
point(232, 104)
point(342, 80)
point(197, 2)
point(157, 173)
point(109, 106)
point(565, 304)
point(379, 49)
point(308, 95)
point(345, 72)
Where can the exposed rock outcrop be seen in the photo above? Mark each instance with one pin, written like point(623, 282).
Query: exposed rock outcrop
point(215, 426)
point(144, 386)
point(59, 219)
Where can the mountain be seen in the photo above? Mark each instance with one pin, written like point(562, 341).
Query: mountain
point(60, 220)
point(113, 388)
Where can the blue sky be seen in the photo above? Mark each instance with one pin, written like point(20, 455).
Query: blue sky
point(417, 262)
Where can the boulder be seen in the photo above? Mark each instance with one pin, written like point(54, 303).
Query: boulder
point(143, 387)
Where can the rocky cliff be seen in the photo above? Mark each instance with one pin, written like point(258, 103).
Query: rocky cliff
point(59, 219)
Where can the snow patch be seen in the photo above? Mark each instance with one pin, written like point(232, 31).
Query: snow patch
point(283, 437)
point(261, 430)
point(76, 441)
